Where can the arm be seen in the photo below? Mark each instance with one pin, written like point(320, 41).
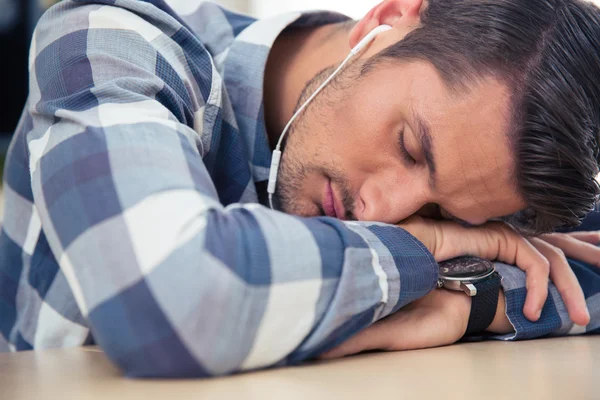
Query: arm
point(441, 317)
point(171, 282)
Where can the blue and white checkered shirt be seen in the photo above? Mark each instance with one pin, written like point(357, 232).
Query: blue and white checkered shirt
point(132, 213)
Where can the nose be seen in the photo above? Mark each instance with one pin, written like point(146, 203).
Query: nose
point(389, 199)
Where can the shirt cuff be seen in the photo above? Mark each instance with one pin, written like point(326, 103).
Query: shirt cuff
point(554, 318)
point(407, 269)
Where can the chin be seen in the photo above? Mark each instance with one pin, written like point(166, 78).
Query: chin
point(305, 210)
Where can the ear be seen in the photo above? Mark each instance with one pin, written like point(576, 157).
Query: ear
point(388, 12)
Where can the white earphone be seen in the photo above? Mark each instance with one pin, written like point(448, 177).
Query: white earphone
point(276, 158)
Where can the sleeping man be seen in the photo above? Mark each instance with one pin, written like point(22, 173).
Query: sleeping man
point(137, 212)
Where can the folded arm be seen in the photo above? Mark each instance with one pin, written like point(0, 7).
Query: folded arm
point(441, 317)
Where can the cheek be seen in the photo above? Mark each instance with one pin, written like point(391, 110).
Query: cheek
point(349, 129)
point(360, 153)
point(361, 133)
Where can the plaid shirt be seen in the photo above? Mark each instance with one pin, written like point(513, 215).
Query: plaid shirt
point(132, 212)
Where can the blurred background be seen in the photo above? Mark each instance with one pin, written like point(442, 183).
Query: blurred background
point(17, 18)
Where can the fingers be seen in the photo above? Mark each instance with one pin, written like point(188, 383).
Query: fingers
point(514, 249)
point(565, 281)
point(592, 237)
point(537, 269)
point(498, 241)
point(576, 248)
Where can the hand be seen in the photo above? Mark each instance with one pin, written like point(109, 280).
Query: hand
point(556, 247)
point(438, 319)
point(498, 241)
point(580, 246)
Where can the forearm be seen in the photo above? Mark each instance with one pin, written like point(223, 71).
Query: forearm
point(253, 289)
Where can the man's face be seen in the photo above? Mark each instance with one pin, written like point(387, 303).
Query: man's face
point(396, 141)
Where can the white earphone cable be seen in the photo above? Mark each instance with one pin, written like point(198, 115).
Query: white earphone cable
point(276, 158)
point(277, 152)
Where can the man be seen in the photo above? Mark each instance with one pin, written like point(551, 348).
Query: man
point(136, 212)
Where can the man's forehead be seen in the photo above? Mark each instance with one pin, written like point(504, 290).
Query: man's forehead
point(475, 90)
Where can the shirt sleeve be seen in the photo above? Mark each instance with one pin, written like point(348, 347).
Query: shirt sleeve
point(554, 320)
point(172, 283)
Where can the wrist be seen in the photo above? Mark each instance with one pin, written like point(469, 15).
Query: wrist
point(501, 324)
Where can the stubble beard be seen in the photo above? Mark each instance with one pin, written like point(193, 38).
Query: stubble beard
point(296, 166)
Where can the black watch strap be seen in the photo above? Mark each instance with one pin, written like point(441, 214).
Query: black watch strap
point(484, 304)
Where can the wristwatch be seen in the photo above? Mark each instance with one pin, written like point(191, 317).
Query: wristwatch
point(477, 277)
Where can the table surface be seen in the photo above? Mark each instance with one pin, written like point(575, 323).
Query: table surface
point(566, 368)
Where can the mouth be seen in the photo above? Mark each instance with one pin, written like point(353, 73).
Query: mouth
point(331, 205)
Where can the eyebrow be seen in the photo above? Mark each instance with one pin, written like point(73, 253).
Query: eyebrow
point(424, 133)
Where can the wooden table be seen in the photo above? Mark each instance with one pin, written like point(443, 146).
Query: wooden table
point(567, 368)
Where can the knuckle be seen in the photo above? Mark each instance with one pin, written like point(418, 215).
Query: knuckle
point(559, 253)
point(544, 265)
point(509, 235)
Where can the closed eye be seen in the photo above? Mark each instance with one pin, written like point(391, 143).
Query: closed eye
point(403, 151)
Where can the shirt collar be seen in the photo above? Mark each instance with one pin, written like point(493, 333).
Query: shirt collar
point(243, 73)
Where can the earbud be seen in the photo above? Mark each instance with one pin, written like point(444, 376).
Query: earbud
point(369, 38)
point(276, 158)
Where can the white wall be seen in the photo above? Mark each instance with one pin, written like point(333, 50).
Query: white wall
point(264, 8)
point(185, 7)
point(353, 8)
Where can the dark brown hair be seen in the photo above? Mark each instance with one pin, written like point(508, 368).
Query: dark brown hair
point(548, 53)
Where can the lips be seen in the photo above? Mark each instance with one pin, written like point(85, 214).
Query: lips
point(328, 204)
point(331, 206)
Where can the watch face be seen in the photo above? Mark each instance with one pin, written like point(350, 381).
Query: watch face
point(466, 267)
